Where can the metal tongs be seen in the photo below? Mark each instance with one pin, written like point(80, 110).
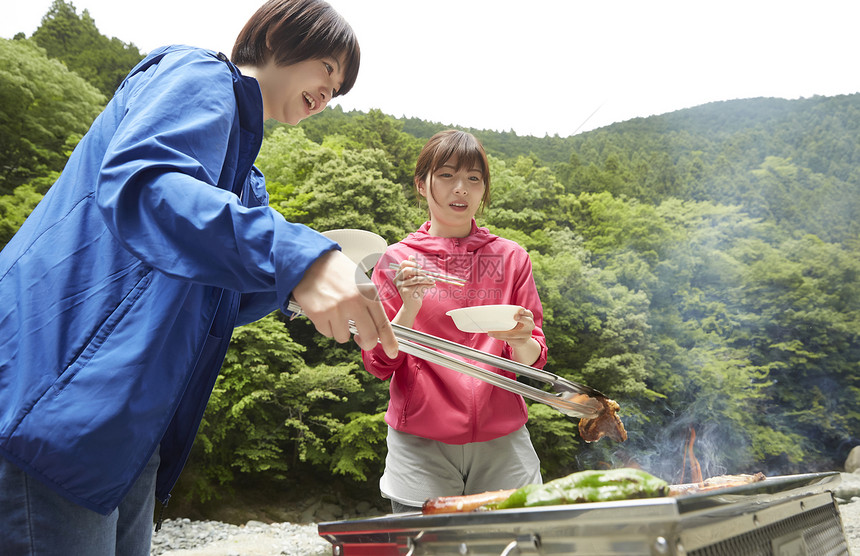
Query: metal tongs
point(432, 348)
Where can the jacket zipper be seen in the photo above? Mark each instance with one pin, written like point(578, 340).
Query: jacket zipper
point(161, 512)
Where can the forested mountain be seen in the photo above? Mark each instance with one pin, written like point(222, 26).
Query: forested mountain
point(702, 268)
point(766, 155)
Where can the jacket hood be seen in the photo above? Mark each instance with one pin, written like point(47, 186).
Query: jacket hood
point(422, 241)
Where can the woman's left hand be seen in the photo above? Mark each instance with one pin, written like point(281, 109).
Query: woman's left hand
point(520, 334)
point(524, 348)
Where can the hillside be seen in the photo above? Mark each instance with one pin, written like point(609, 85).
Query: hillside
point(794, 162)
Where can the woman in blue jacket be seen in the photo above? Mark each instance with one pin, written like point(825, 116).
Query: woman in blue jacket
point(120, 292)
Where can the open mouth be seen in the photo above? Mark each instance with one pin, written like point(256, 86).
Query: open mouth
point(309, 100)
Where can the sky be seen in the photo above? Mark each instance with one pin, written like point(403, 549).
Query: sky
point(536, 67)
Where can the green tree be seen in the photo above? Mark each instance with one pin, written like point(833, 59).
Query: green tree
point(795, 198)
point(327, 188)
point(287, 158)
point(359, 446)
point(373, 130)
point(76, 41)
point(524, 196)
point(44, 109)
point(16, 207)
point(802, 298)
point(269, 412)
point(597, 329)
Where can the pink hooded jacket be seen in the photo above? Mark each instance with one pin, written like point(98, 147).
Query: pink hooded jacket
point(429, 400)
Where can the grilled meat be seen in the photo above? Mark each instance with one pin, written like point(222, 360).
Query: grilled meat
point(466, 503)
point(606, 424)
point(714, 483)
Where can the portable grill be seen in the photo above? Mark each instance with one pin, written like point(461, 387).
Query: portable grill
point(791, 515)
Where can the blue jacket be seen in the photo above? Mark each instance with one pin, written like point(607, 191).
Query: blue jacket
point(120, 292)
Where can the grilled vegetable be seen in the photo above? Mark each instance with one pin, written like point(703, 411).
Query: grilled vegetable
point(587, 486)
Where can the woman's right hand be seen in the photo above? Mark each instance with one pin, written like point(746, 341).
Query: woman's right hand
point(412, 285)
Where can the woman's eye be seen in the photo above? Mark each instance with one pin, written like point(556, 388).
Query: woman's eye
point(328, 68)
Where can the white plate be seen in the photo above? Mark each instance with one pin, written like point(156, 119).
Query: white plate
point(485, 318)
point(362, 247)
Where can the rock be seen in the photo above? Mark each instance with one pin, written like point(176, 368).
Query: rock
point(852, 464)
point(328, 512)
point(848, 487)
point(363, 507)
point(308, 514)
point(333, 509)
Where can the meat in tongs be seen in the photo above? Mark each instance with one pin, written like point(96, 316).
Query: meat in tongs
point(575, 400)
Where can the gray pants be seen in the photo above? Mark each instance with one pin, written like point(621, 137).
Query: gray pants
point(418, 468)
point(398, 508)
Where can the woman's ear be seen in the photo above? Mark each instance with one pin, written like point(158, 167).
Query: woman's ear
point(421, 187)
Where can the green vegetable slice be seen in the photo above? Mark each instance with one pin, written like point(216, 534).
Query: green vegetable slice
point(588, 486)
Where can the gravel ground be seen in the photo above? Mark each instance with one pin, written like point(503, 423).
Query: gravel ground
point(851, 524)
point(183, 537)
point(848, 496)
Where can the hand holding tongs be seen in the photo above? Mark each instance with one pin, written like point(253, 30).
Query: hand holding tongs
point(431, 348)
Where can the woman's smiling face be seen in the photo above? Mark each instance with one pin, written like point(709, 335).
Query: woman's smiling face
point(294, 92)
point(453, 197)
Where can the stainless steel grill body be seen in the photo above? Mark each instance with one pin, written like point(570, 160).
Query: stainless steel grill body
point(782, 516)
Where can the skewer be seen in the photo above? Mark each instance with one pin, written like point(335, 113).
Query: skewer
point(446, 278)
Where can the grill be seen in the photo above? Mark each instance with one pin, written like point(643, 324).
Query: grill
point(791, 515)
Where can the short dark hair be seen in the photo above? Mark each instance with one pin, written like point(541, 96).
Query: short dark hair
point(452, 142)
point(293, 31)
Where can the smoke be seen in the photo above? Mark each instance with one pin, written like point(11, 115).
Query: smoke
point(661, 449)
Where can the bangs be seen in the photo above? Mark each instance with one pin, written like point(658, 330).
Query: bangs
point(467, 150)
point(328, 35)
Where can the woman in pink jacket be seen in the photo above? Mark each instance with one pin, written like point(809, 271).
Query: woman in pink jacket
point(450, 434)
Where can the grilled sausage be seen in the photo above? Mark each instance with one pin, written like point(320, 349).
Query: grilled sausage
point(466, 503)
